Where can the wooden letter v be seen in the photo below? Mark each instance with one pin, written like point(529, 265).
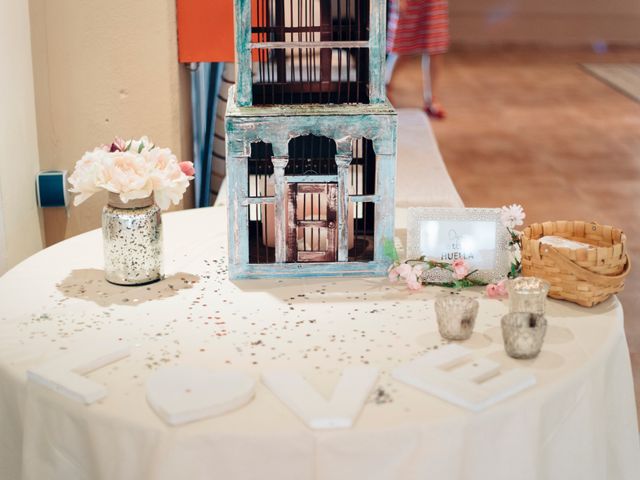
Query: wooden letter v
point(348, 397)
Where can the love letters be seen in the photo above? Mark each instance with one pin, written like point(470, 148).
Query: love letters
point(184, 394)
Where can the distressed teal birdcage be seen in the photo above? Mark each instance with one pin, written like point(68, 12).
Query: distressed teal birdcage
point(311, 140)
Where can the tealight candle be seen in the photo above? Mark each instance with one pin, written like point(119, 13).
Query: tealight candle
point(456, 316)
point(523, 334)
point(528, 294)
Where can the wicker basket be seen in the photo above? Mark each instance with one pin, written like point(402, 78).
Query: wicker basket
point(585, 276)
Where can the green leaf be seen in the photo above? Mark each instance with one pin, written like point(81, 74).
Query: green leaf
point(140, 147)
point(390, 251)
point(514, 271)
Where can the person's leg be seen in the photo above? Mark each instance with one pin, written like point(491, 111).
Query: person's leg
point(392, 58)
point(431, 67)
point(435, 70)
point(427, 87)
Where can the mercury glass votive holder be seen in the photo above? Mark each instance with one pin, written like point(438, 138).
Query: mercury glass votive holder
point(528, 294)
point(456, 316)
point(523, 334)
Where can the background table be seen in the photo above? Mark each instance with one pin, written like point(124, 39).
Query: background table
point(578, 422)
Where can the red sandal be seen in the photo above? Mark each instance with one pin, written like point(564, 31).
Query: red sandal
point(434, 110)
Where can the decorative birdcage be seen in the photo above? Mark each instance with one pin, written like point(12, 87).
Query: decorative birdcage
point(311, 140)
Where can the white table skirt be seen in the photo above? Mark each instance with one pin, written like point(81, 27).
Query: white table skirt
point(579, 421)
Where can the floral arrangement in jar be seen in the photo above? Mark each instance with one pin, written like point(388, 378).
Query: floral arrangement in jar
point(141, 179)
point(412, 270)
point(132, 169)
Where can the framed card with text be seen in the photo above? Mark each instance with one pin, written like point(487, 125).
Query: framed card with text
point(475, 235)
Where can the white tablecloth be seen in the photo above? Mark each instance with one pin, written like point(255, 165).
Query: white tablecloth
point(578, 422)
point(422, 177)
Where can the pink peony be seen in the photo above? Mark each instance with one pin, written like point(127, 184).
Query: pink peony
point(393, 274)
point(414, 278)
point(118, 145)
point(414, 283)
point(502, 288)
point(187, 168)
point(399, 271)
point(417, 270)
point(460, 269)
point(491, 290)
point(404, 270)
point(498, 290)
point(411, 275)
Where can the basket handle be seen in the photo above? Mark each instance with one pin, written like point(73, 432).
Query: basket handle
point(581, 272)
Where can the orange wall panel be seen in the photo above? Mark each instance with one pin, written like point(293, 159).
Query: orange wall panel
point(205, 30)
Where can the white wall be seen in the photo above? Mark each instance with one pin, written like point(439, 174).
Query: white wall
point(105, 68)
point(545, 22)
point(3, 243)
point(18, 138)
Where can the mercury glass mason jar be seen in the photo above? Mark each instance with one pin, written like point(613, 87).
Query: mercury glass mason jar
point(132, 237)
point(528, 294)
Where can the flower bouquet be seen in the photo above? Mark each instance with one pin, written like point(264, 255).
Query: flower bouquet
point(132, 169)
point(141, 179)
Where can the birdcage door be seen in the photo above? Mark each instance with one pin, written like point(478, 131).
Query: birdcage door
point(312, 222)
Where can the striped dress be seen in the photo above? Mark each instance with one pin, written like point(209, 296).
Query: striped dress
point(422, 27)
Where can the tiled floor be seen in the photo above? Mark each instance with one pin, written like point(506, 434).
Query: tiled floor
point(531, 127)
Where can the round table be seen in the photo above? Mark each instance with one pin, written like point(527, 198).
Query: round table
point(578, 421)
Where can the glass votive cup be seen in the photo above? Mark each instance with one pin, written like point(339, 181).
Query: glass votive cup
point(523, 334)
point(456, 316)
point(527, 294)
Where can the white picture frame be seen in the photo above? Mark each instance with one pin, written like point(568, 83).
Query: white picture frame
point(475, 235)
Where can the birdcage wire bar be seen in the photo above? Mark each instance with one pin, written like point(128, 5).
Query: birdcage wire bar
point(260, 215)
point(310, 51)
point(362, 182)
point(311, 156)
